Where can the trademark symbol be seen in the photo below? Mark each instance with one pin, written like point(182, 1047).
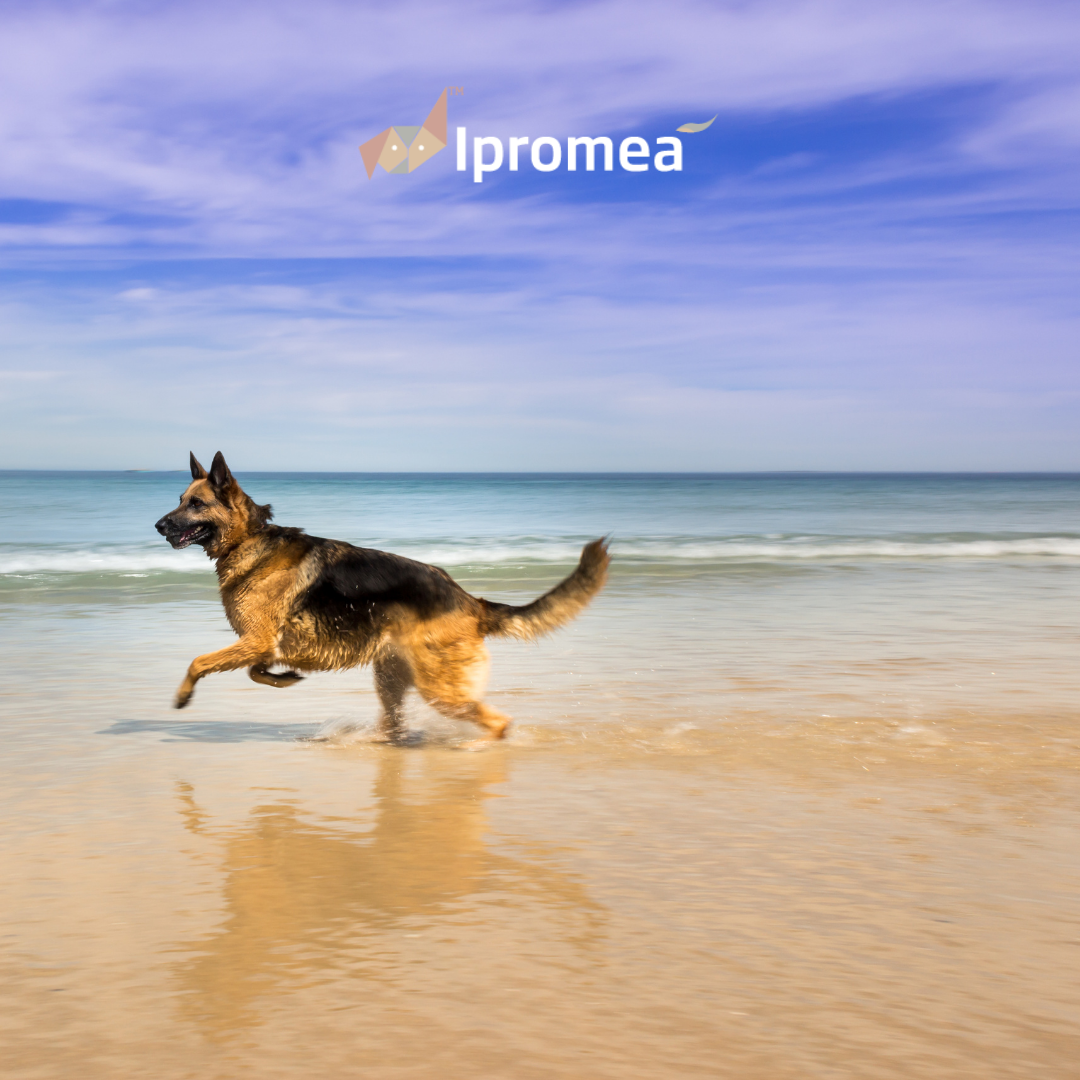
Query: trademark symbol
point(456, 91)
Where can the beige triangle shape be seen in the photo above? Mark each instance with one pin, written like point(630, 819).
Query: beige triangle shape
point(424, 146)
point(394, 152)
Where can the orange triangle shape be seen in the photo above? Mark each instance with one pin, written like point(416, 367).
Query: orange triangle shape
point(436, 119)
point(371, 150)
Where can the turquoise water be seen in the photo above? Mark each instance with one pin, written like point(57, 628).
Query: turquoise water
point(101, 524)
point(792, 596)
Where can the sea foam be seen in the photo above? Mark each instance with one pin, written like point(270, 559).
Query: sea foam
point(102, 559)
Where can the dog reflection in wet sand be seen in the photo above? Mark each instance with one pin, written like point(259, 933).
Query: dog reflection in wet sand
point(309, 899)
point(310, 604)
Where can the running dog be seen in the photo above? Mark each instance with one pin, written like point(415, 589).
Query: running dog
point(309, 604)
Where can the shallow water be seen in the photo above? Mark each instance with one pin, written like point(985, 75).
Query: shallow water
point(796, 797)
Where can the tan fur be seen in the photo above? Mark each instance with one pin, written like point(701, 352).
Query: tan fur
point(264, 571)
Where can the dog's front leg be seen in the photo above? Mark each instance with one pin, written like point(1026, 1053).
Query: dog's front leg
point(244, 653)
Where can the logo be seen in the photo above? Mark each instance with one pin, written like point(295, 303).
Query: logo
point(404, 147)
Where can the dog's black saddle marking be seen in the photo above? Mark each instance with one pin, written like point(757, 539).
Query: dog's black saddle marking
point(355, 588)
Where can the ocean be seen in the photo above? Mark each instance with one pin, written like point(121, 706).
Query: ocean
point(796, 796)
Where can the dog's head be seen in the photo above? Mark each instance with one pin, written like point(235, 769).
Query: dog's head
point(214, 511)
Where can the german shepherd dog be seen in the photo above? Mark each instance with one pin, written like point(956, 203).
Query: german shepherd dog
point(309, 604)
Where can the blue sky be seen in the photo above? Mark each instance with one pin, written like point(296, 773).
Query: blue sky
point(869, 260)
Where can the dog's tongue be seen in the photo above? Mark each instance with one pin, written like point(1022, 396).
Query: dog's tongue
point(186, 536)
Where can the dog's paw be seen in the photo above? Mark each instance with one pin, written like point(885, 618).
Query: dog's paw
point(399, 737)
point(183, 696)
point(262, 674)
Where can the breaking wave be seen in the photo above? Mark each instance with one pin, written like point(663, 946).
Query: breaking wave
point(139, 560)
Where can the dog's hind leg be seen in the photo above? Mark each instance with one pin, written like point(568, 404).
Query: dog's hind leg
point(491, 720)
point(261, 673)
point(453, 682)
point(393, 677)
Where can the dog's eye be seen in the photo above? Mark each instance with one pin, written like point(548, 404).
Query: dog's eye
point(195, 502)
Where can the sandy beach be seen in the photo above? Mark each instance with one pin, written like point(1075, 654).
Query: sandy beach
point(229, 903)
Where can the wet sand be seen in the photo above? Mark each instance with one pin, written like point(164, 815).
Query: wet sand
point(632, 895)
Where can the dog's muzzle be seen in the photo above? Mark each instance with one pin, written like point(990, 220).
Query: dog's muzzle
point(180, 536)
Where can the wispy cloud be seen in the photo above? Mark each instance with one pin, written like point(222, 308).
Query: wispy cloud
point(358, 374)
point(244, 124)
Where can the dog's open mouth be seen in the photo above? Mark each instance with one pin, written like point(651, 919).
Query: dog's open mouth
point(195, 535)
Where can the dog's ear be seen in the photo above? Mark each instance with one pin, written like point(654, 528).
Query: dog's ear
point(220, 476)
point(197, 471)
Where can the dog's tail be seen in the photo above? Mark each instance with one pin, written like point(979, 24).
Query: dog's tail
point(555, 608)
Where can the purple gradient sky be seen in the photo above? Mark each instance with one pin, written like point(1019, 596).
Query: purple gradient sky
point(869, 262)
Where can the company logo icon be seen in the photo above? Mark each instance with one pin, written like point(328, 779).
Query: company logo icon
point(405, 147)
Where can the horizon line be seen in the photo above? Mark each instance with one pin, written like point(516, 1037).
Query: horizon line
point(567, 473)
